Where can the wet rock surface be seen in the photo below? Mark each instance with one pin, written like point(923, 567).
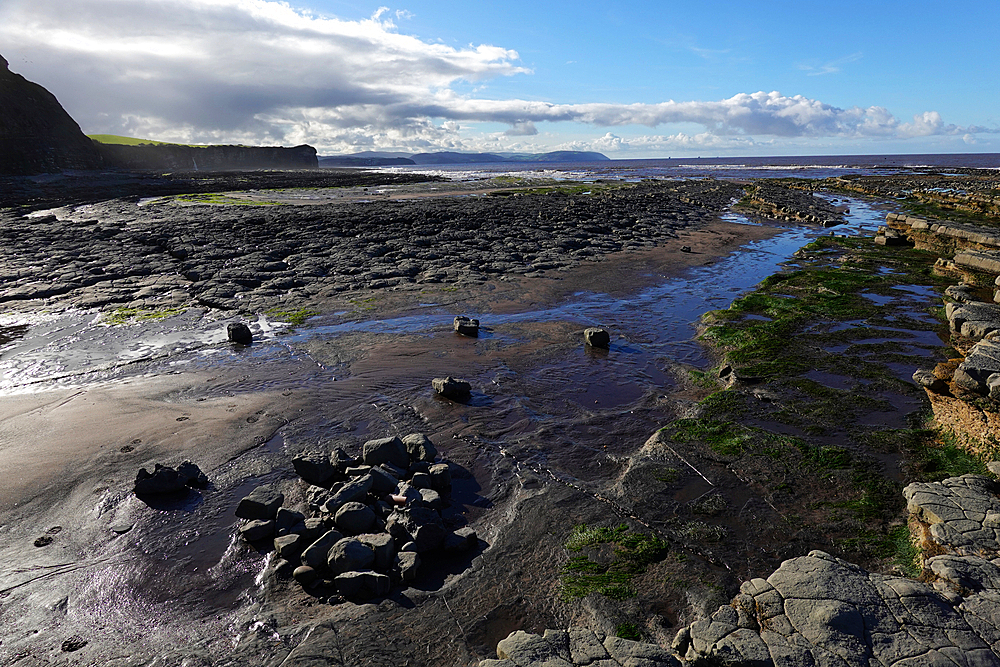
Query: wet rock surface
point(251, 259)
point(776, 201)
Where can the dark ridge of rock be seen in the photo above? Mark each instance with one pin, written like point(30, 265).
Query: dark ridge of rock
point(207, 158)
point(37, 136)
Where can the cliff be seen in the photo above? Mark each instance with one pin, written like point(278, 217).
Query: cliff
point(175, 157)
point(37, 136)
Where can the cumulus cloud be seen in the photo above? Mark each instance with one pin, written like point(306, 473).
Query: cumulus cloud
point(262, 71)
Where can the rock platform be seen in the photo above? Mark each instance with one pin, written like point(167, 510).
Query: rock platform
point(821, 610)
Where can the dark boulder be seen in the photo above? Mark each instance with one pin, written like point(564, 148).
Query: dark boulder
point(239, 333)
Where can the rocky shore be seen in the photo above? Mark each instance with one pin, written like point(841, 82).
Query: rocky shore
point(705, 500)
point(170, 254)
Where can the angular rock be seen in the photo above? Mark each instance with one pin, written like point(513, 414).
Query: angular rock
point(451, 388)
point(382, 482)
point(431, 498)
point(926, 378)
point(420, 447)
point(354, 518)
point(596, 337)
point(386, 450)
point(314, 467)
point(467, 326)
point(349, 584)
point(262, 503)
point(523, 648)
point(289, 521)
point(353, 491)
point(420, 480)
point(257, 529)
point(289, 546)
point(317, 554)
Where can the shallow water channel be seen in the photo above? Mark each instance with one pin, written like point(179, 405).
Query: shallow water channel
point(540, 398)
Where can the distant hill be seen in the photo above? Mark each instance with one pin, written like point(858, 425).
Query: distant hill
point(357, 161)
point(379, 159)
point(37, 136)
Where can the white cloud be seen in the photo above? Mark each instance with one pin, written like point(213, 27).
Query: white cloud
point(261, 71)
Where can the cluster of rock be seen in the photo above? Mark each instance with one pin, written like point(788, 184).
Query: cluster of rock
point(369, 523)
point(117, 254)
point(777, 202)
point(821, 610)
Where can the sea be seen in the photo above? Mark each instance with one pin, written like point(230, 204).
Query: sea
point(741, 168)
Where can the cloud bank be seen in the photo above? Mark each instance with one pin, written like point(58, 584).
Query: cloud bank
point(259, 71)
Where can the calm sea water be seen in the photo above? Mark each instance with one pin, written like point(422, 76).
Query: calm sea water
point(825, 166)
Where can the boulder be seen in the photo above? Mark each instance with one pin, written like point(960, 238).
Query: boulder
point(262, 503)
point(349, 584)
point(452, 388)
point(383, 482)
point(289, 521)
point(314, 467)
point(407, 564)
point(420, 447)
point(354, 490)
point(440, 476)
point(257, 529)
point(595, 337)
point(927, 379)
point(386, 450)
point(383, 546)
point(524, 648)
point(289, 547)
point(461, 540)
point(431, 498)
point(239, 333)
point(350, 554)
point(317, 554)
point(354, 518)
point(164, 480)
point(305, 575)
point(420, 480)
point(467, 326)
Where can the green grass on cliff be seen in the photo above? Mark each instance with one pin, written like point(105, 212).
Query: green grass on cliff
point(115, 140)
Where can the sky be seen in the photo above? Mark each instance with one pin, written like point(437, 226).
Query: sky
point(630, 79)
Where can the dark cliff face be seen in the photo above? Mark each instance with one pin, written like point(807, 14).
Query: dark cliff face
point(173, 157)
point(37, 136)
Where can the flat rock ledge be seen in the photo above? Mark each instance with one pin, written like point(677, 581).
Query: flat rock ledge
point(818, 610)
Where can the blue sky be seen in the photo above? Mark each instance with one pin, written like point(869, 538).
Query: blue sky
point(629, 79)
